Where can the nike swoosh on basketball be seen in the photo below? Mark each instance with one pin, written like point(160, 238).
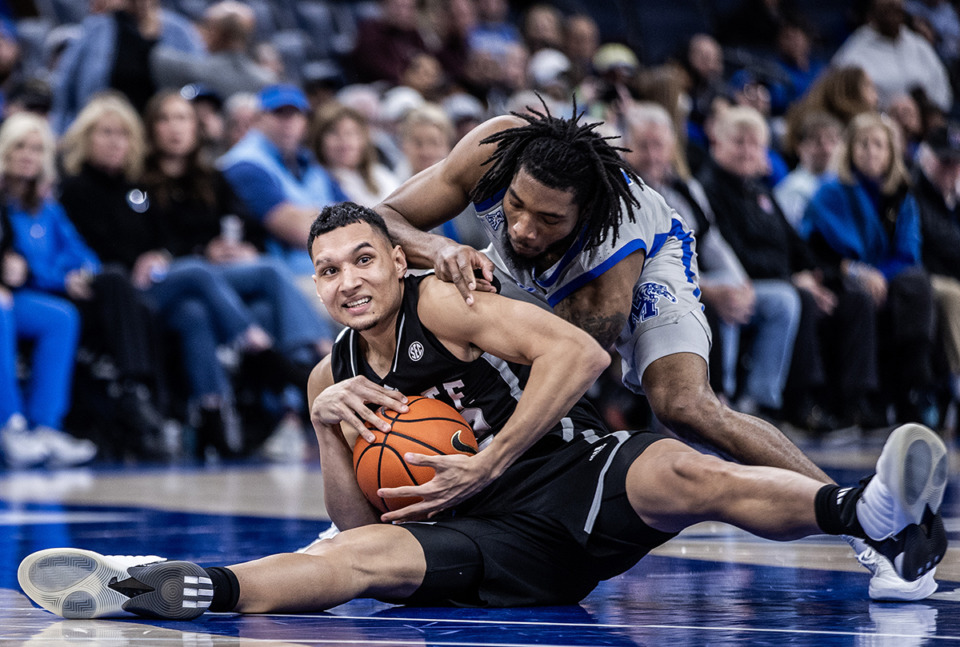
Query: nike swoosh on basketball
point(461, 446)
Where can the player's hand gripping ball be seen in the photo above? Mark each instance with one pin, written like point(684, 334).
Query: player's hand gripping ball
point(428, 427)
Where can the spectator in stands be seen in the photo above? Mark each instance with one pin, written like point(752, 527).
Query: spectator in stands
point(278, 180)
point(455, 19)
point(197, 210)
point(866, 227)
point(543, 28)
point(843, 92)
point(938, 197)
point(114, 52)
point(425, 75)
point(115, 322)
point(494, 32)
point(239, 113)
point(116, 326)
point(226, 67)
point(904, 110)
point(942, 18)
point(426, 137)
point(818, 137)
point(386, 45)
point(30, 95)
point(726, 290)
point(795, 60)
point(581, 41)
point(747, 89)
point(31, 419)
point(785, 274)
point(730, 182)
point(104, 196)
point(340, 137)
point(213, 127)
point(704, 64)
point(895, 58)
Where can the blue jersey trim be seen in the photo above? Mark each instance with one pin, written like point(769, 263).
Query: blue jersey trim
point(619, 255)
point(685, 236)
point(545, 281)
point(489, 202)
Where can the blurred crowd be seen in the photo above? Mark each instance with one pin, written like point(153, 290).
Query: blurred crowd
point(161, 162)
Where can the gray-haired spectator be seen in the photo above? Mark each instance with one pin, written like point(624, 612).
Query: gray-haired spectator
point(227, 67)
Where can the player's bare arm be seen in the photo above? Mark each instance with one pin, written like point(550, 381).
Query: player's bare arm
point(437, 195)
point(564, 362)
point(330, 407)
point(602, 306)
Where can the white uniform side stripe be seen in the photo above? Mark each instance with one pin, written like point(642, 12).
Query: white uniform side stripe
point(506, 374)
point(621, 437)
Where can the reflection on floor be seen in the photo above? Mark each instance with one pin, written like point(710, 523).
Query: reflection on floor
point(713, 585)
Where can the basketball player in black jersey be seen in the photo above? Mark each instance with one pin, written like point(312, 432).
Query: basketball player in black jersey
point(559, 502)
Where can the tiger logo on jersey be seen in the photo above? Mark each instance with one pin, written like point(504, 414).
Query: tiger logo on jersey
point(645, 300)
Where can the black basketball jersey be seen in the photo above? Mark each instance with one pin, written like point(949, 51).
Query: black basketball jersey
point(484, 391)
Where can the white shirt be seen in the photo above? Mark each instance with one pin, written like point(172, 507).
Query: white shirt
point(897, 65)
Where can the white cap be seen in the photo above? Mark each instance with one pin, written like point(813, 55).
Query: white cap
point(547, 66)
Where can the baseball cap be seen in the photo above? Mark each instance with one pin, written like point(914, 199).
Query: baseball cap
point(944, 141)
point(274, 97)
point(614, 55)
point(548, 66)
point(200, 92)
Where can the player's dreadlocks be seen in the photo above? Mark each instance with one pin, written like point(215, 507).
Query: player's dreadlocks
point(565, 155)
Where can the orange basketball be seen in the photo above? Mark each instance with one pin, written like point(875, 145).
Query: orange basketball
point(428, 427)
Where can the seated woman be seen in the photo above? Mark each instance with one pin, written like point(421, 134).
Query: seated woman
point(340, 138)
point(32, 418)
point(865, 225)
point(103, 196)
point(196, 210)
point(116, 327)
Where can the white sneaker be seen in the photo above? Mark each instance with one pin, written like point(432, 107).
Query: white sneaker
point(20, 447)
point(329, 533)
point(287, 444)
point(911, 478)
point(75, 583)
point(64, 449)
point(885, 584)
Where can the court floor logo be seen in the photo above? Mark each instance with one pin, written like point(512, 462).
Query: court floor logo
point(645, 301)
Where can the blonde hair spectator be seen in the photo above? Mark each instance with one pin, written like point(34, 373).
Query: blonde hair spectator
point(76, 142)
point(897, 174)
point(14, 130)
point(735, 118)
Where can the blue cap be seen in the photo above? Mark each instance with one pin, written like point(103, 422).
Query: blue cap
point(274, 97)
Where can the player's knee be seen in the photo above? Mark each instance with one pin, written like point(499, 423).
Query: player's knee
point(697, 479)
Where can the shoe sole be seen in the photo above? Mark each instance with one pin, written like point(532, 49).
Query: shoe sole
point(913, 465)
point(74, 583)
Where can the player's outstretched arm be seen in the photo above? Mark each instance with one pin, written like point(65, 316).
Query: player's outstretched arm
point(337, 410)
point(436, 195)
point(565, 361)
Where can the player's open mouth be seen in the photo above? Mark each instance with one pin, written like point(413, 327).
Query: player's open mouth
point(356, 303)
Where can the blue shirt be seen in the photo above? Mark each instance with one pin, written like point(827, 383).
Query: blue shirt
point(256, 171)
point(50, 244)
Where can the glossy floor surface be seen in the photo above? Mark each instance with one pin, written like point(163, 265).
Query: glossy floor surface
point(713, 585)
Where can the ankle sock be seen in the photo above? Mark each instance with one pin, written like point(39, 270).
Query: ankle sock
point(836, 510)
point(226, 589)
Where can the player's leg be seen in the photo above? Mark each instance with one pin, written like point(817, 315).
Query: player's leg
point(671, 486)
point(378, 560)
point(381, 561)
point(681, 398)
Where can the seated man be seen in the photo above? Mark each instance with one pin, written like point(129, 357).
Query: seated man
point(553, 502)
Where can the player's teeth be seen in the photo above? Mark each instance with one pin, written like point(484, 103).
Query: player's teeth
point(358, 302)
